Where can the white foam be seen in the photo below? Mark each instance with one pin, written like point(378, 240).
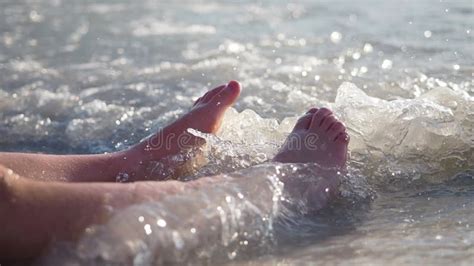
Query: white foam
point(154, 27)
point(429, 134)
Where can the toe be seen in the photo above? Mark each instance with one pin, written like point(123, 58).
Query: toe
point(197, 101)
point(303, 122)
point(312, 110)
point(328, 122)
point(343, 137)
point(227, 95)
point(319, 117)
point(336, 128)
point(210, 94)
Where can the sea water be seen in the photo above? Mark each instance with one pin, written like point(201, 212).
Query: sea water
point(98, 76)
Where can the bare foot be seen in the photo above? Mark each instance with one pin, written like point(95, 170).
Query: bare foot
point(318, 137)
point(205, 116)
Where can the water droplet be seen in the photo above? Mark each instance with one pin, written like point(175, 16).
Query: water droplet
point(456, 67)
point(147, 228)
point(427, 34)
point(232, 255)
point(193, 230)
point(317, 77)
point(122, 177)
point(161, 223)
point(35, 16)
point(141, 219)
point(178, 240)
point(386, 64)
point(368, 48)
point(336, 37)
point(354, 73)
point(235, 48)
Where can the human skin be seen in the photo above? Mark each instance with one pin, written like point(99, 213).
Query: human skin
point(34, 213)
point(205, 116)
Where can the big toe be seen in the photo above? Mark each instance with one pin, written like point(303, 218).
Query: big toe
point(304, 121)
point(227, 96)
point(207, 117)
point(209, 95)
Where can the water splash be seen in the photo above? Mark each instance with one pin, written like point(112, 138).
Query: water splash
point(425, 138)
point(213, 224)
point(429, 137)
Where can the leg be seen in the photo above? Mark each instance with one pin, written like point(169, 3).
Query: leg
point(205, 116)
point(36, 213)
point(34, 216)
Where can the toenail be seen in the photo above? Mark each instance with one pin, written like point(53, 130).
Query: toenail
point(233, 84)
point(326, 110)
point(312, 110)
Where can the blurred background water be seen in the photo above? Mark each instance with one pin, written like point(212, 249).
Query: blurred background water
point(97, 76)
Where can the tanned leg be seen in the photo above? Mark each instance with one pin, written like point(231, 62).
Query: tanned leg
point(36, 213)
point(205, 116)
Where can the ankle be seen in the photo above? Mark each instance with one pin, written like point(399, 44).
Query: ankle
point(122, 164)
point(133, 164)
